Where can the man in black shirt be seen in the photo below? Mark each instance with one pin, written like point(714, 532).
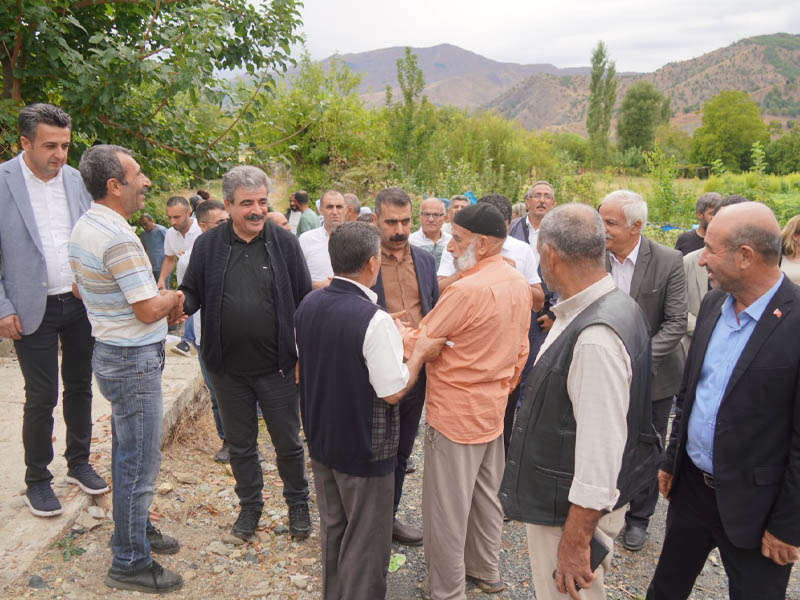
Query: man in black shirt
point(249, 276)
point(692, 240)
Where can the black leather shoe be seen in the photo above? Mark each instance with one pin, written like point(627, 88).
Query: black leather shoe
point(162, 544)
point(634, 537)
point(406, 534)
point(246, 523)
point(299, 521)
point(153, 579)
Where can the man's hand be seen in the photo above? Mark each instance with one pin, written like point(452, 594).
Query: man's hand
point(175, 315)
point(573, 568)
point(545, 323)
point(10, 327)
point(777, 551)
point(664, 483)
point(428, 348)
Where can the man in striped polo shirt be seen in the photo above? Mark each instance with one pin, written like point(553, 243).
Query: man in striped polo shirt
point(129, 317)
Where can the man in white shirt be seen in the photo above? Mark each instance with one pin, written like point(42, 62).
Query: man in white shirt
point(539, 200)
point(41, 198)
point(314, 242)
point(457, 202)
point(430, 236)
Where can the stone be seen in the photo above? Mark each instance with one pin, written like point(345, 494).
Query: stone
point(270, 467)
point(96, 512)
point(165, 488)
point(307, 562)
point(189, 575)
point(229, 538)
point(299, 581)
point(217, 569)
point(187, 478)
point(36, 582)
point(251, 557)
point(280, 529)
point(86, 522)
point(218, 547)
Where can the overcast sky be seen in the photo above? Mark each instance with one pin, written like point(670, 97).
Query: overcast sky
point(641, 35)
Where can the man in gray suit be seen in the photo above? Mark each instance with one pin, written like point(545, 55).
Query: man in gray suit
point(41, 198)
point(653, 275)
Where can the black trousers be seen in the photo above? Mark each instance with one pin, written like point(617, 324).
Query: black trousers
point(643, 504)
point(693, 529)
point(64, 319)
point(508, 419)
point(237, 397)
point(410, 412)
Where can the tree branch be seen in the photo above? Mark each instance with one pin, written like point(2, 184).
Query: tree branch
point(164, 47)
point(237, 119)
point(139, 136)
point(150, 24)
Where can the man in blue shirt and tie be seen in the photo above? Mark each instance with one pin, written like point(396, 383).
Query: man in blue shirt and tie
point(732, 469)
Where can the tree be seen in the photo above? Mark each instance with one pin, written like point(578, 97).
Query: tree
point(643, 109)
point(602, 96)
point(731, 125)
point(783, 154)
point(674, 142)
point(135, 71)
point(405, 125)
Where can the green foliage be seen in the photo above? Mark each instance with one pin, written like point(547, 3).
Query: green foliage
point(667, 201)
point(642, 110)
point(602, 96)
point(66, 545)
point(145, 74)
point(780, 193)
point(571, 145)
point(731, 124)
point(674, 142)
point(783, 154)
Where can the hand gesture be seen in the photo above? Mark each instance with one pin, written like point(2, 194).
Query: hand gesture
point(777, 551)
point(573, 570)
point(10, 327)
point(428, 348)
point(664, 483)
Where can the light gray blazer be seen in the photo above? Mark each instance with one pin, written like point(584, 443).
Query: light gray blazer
point(23, 274)
point(659, 288)
point(697, 288)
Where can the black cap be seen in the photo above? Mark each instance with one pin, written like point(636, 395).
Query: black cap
point(483, 219)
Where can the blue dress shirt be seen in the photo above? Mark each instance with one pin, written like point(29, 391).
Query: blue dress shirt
point(727, 342)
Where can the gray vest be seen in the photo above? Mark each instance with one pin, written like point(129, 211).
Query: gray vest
point(541, 458)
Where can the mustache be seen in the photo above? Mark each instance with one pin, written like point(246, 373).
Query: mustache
point(254, 218)
point(398, 238)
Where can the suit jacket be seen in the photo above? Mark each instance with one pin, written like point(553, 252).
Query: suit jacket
point(757, 436)
point(425, 267)
point(23, 278)
point(659, 288)
point(696, 288)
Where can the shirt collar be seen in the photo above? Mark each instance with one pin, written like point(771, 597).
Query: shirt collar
point(111, 214)
point(572, 306)
point(634, 254)
point(370, 294)
point(754, 311)
point(30, 176)
point(443, 235)
point(530, 225)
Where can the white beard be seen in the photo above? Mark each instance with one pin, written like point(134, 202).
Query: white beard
point(467, 260)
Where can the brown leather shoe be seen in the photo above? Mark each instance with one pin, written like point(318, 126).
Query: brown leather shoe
point(489, 587)
point(406, 534)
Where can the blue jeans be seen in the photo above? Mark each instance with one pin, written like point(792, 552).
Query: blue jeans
point(188, 330)
point(130, 379)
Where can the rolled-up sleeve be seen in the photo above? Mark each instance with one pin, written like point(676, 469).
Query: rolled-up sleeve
point(383, 353)
point(599, 389)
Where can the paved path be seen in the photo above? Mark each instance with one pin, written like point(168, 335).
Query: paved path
point(22, 535)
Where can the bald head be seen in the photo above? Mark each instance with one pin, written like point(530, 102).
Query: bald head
point(279, 219)
point(749, 224)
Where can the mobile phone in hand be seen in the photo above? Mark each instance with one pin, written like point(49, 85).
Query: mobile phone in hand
point(597, 552)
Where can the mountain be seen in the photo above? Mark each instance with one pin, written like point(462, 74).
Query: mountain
point(766, 67)
point(453, 75)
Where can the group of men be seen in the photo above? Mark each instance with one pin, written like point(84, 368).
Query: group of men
point(546, 351)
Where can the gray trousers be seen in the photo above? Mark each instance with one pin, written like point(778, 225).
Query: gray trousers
point(461, 514)
point(355, 522)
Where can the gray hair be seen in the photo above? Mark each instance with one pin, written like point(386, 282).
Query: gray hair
point(243, 176)
point(99, 164)
point(529, 193)
point(352, 202)
point(33, 114)
point(633, 206)
point(708, 200)
point(764, 242)
point(575, 231)
point(460, 197)
point(351, 245)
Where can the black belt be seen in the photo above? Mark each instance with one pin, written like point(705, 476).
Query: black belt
point(65, 297)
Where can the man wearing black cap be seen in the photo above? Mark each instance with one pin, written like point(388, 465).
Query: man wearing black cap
point(485, 316)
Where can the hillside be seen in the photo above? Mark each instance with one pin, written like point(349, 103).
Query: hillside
point(766, 67)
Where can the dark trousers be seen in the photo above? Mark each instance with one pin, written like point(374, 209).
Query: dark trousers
point(508, 419)
point(643, 504)
point(693, 529)
point(237, 398)
point(355, 530)
point(410, 412)
point(64, 319)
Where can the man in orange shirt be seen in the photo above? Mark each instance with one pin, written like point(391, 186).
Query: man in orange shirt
point(485, 316)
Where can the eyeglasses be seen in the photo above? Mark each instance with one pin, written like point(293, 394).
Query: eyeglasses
point(427, 215)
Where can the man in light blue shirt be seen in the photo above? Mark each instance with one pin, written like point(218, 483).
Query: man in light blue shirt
point(152, 237)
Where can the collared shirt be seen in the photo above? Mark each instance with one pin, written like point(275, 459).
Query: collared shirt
point(400, 286)
point(533, 236)
point(598, 385)
point(153, 242)
point(51, 213)
point(485, 316)
point(177, 244)
point(382, 350)
point(314, 244)
point(248, 324)
point(112, 272)
point(419, 239)
point(727, 342)
point(294, 220)
point(622, 272)
point(525, 261)
point(308, 221)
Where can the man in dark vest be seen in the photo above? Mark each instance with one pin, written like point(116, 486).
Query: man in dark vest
point(406, 284)
point(352, 376)
point(583, 443)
